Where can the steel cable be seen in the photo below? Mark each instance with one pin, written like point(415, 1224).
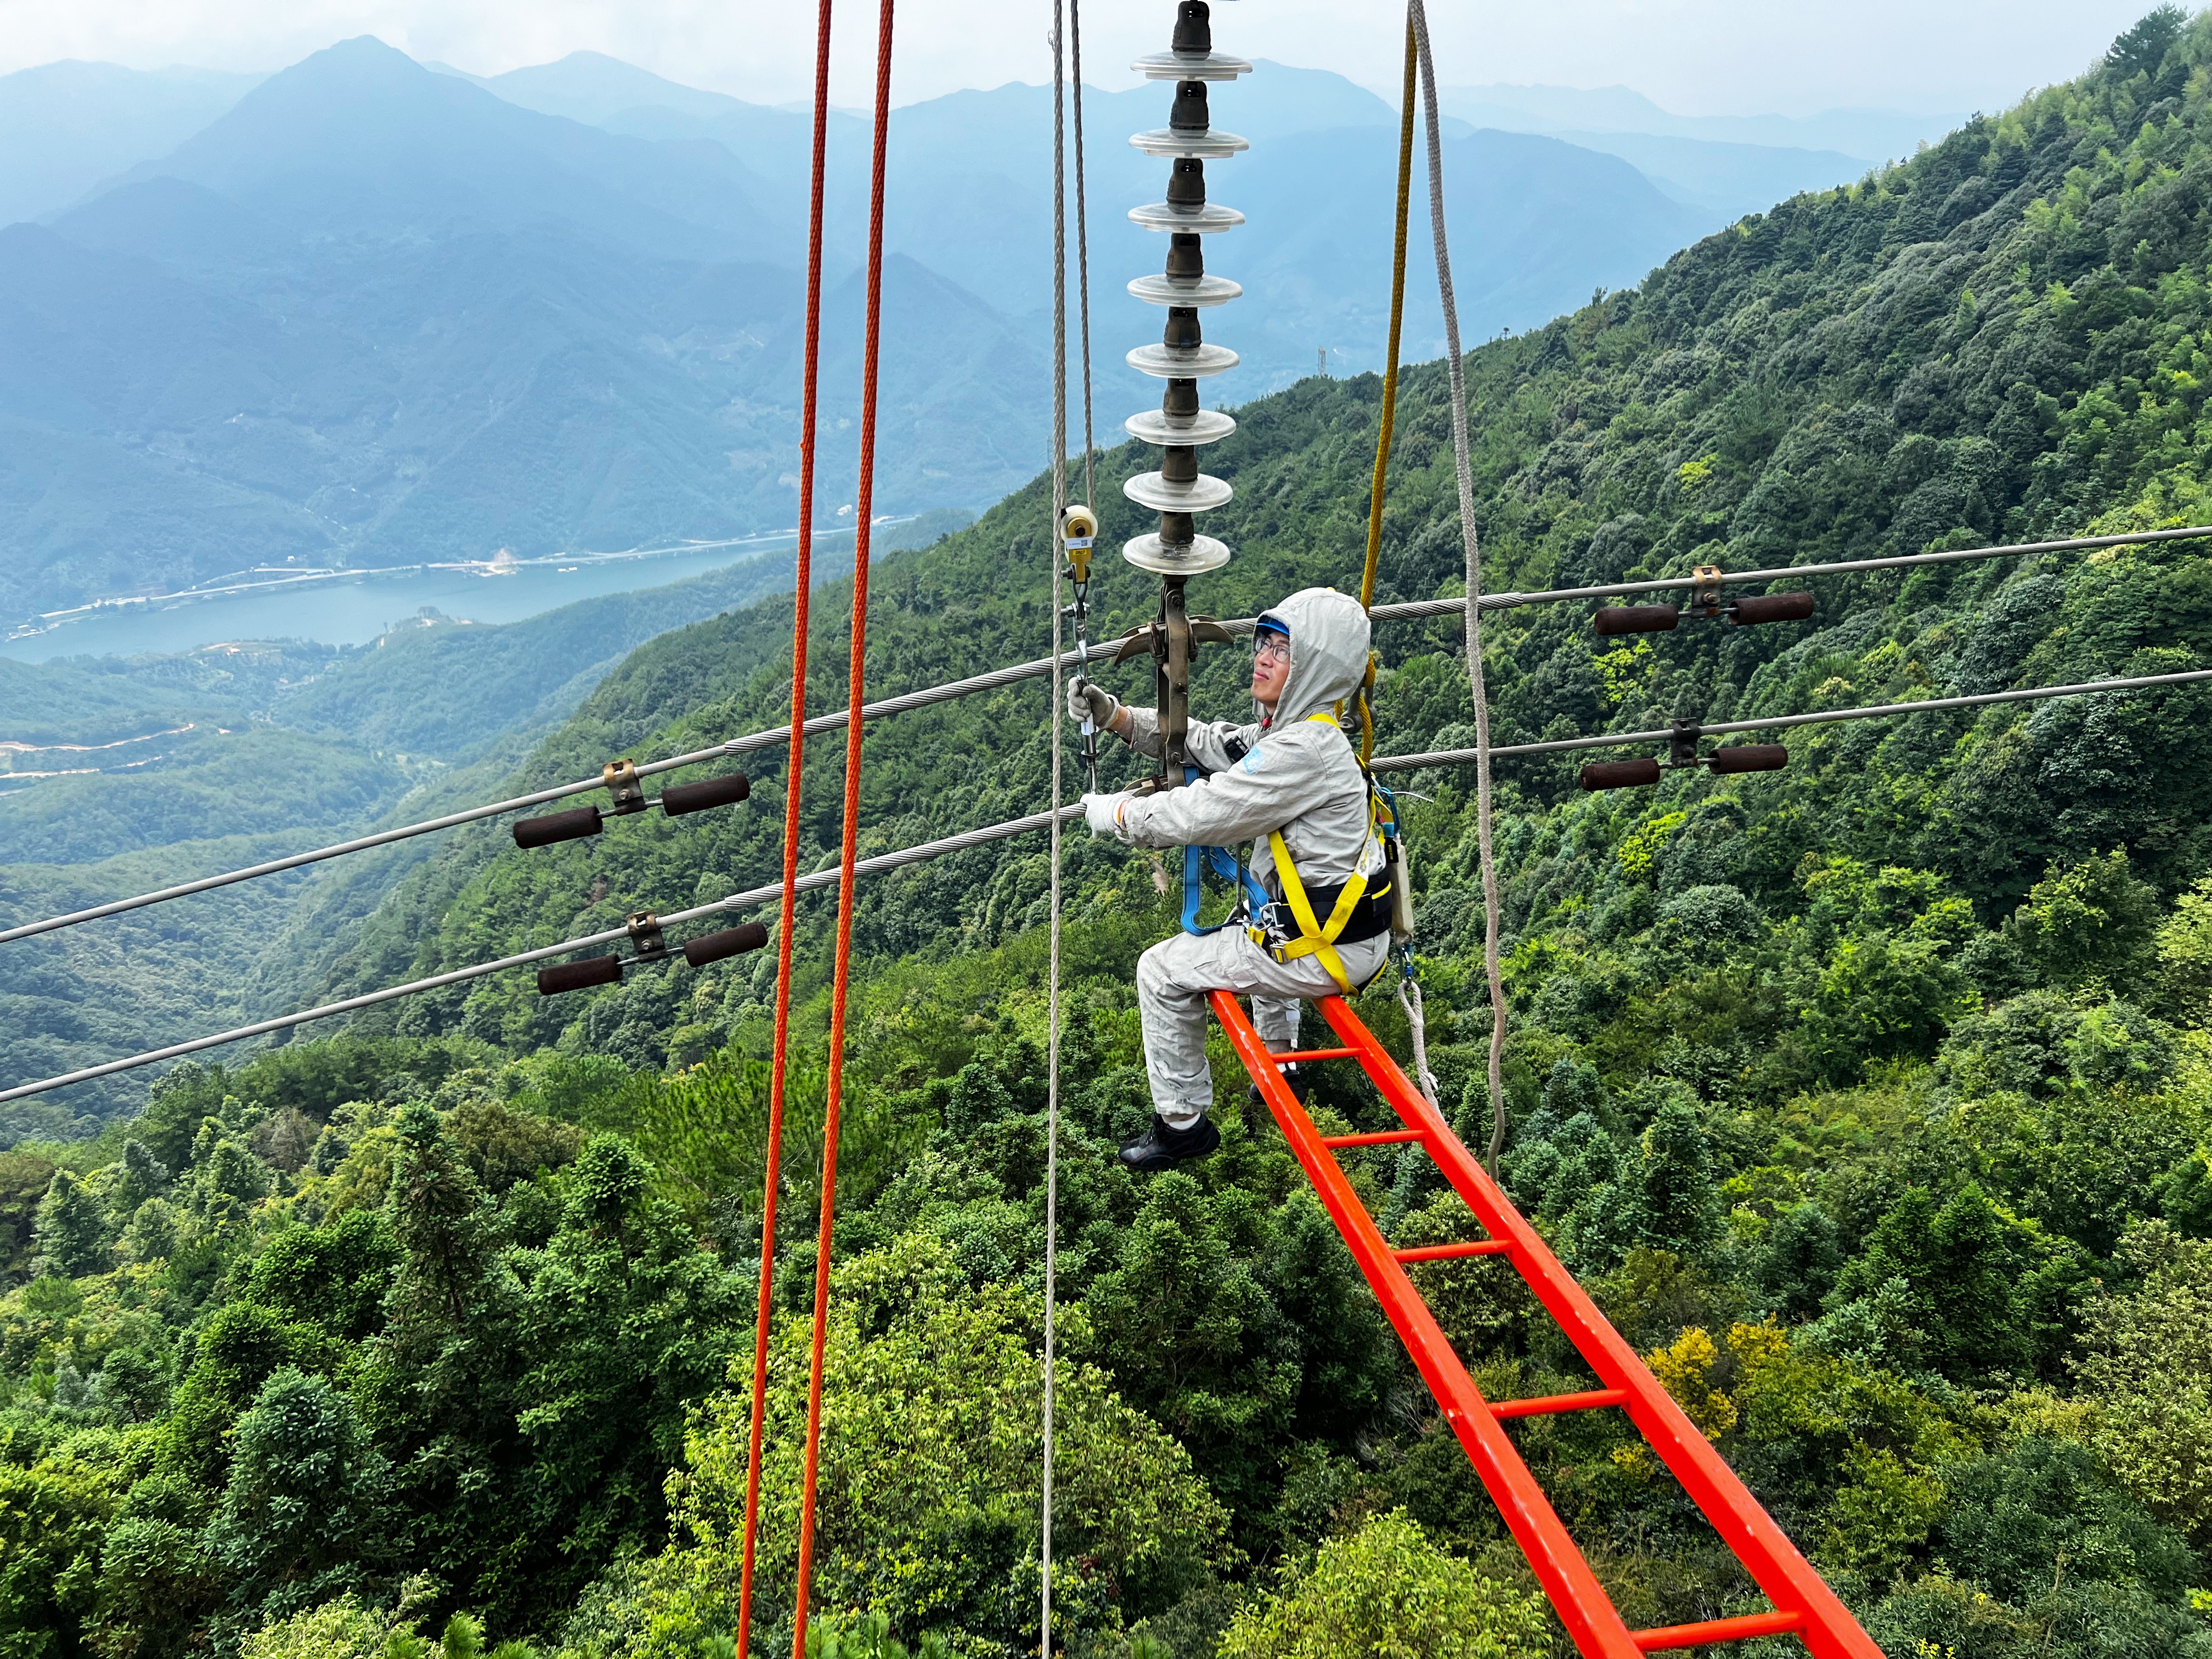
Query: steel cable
point(1056, 553)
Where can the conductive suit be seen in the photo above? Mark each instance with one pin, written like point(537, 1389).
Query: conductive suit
point(1294, 773)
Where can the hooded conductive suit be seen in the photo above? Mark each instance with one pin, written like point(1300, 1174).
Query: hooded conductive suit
point(1296, 773)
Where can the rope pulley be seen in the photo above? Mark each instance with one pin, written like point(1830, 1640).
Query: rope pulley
point(649, 945)
point(621, 782)
point(1079, 534)
point(1682, 756)
point(1706, 601)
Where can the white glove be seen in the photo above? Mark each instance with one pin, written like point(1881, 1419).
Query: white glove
point(1095, 704)
point(1103, 813)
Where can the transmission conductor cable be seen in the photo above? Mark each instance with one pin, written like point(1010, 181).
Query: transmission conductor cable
point(970, 838)
point(991, 680)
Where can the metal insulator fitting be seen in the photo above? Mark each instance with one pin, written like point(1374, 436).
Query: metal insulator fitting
point(1177, 530)
point(1193, 29)
point(1179, 464)
point(1682, 743)
point(645, 936)
point(621, 779)
point(1186, 256)
point(1180, 401)
point(1190, 113)
point(1181, 332)
point(1186, 182)
point(1705, 589)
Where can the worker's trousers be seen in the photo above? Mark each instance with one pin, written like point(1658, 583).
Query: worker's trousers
point(1173, 978)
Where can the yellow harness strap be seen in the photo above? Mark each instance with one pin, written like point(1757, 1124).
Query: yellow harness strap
point(1316, 938)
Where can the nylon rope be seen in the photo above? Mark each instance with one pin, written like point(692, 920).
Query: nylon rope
point(1462, 465)
point(1389, 391)
point(1397, 323)
point(1058, 554)
point(788, 916)
point(849, 856)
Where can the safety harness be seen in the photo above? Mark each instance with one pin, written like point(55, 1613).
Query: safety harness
point(1359, 909)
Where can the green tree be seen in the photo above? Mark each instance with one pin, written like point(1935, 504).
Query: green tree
point(72, 1232)
point(2092, 923)
point(929, 1486)
point(1387, 1592)
point(2146, 1369)
point(301, 1519)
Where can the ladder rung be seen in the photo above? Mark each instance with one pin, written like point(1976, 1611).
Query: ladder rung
point(1384, 1137)
point(1304, 1055)
point(1544, 1405)
point(1740, 1629)
point(1450, 1252)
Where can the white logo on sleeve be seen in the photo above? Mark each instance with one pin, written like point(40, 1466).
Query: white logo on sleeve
point(1254, 761)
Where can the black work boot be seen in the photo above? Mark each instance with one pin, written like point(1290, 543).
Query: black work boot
point(1301, 1086)
point(1161, 1147)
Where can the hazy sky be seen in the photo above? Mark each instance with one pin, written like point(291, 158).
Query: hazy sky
point(1696, 56)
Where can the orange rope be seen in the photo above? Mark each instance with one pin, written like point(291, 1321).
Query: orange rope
point(864, 507)
point(790, 815)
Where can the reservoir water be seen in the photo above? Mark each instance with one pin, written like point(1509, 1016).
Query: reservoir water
point(353, 611)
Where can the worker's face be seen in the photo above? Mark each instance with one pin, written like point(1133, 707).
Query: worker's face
point(1271, 667)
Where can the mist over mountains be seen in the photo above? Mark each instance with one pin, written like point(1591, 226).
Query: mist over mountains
point(374, 312)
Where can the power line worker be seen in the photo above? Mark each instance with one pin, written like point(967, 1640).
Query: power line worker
point(1290, 784)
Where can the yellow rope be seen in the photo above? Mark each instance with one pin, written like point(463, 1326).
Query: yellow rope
point(1389, 383)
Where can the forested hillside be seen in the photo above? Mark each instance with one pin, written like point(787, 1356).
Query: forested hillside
point(1870, 1098)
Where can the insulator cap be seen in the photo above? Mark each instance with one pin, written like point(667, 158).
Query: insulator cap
point(579, 976)
point(1189, 114)
point(1183, 333)
point(1170, 365)
point(1179, 466)
point(730, 942)
point(1171, 216)
point(1619, 774)
point(725, 791)
point(1180, 401)
point(1200, 290)
point(1164, 494)
point(1186, 257)
point(1748, 757)
point(1636, 618)
point(1186, 182)
point(557, 826)
point(1213, 144)
point(1153, 426)
point(1771, 607)
point(1193, 29)
point(1201, 553)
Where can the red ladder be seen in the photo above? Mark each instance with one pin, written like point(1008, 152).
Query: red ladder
point(1802, 1601)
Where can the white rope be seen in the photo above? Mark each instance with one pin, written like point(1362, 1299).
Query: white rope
point(1409, 999)
point(1464, 467)
point(1058, 557)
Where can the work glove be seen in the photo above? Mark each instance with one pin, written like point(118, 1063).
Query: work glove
point(1101, 812)
point(1095, 704)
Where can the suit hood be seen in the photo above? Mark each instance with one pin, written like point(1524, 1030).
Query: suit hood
point(1329, 639)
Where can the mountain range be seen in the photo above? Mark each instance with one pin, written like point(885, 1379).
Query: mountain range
point(374, 312)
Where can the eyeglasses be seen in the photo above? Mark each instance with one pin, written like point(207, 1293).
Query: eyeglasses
point(1271, 645)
